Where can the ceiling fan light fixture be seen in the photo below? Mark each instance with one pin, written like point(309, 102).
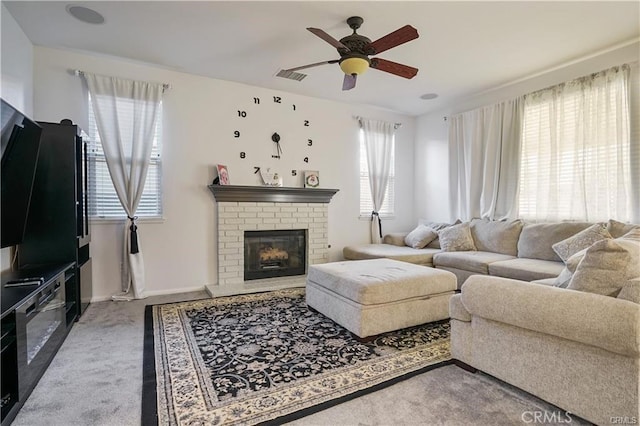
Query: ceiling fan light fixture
point(354, 65)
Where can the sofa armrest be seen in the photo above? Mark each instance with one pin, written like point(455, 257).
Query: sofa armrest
point(457, 310)
point(601, 321)
point(395, 238)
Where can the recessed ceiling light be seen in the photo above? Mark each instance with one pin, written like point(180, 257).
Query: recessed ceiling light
point(428, 96)
point(85, 14)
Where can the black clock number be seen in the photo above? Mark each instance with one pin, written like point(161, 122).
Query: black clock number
point(277, 99)
point(309, 142)
point(306, 159)
point(256, 100)
point(236, 134)
point(294, 107)
point(306, 123)
point(243, 155)
point(242, 114)
point(294, 173)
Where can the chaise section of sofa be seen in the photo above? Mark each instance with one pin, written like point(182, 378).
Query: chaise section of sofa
point(579, 351)
point(392, 247)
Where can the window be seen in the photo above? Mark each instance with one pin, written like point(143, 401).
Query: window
point(103, 200)
point(366, 203)
point(575, 158)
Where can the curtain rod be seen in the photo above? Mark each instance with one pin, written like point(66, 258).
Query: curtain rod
point(395, 125)
point(78, 73)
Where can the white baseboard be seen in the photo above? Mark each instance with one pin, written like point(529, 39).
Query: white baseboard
point(156, 293)
point(255, 286)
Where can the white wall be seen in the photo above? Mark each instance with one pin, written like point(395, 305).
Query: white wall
point(16, 85)
point(431, 146)
point(200, 116)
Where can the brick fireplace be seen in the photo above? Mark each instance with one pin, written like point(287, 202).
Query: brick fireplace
point(246, 208)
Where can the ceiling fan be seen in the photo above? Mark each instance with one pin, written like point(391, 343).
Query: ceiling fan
point(354, 51)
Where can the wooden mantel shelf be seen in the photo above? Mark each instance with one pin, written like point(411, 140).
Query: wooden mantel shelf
point(271, 194)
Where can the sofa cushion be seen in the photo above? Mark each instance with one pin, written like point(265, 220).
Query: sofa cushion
point(526, 269)
point(536, 239)
point(456, 238)
point(378, 251)
point(420, 237)
point(436, 226)
point(607, 267)
point(496, 236)
point(618, 229)
point(580, 241)
point(395, 239)
point(377, 281)
point(472, 261)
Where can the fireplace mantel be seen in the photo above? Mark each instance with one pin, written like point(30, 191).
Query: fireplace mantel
point(271, 194)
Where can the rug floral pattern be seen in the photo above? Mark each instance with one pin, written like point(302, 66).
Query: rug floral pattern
point(252, 358)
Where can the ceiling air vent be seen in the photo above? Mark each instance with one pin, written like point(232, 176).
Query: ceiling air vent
point(291, 75)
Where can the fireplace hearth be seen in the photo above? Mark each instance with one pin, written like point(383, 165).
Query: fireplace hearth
point(274, 253)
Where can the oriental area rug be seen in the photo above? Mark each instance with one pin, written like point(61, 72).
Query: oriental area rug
point(265, 358)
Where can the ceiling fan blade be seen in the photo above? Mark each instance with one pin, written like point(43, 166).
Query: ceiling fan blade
point(396, 38)
point(394, 68)
point(349, 82)
point(326, 37)
point(333, 61)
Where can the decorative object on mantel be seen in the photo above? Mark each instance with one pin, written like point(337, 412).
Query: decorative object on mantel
point(311, 179)
point(212, 366)
point(270, 178)
point(223, 175)
point(271, 194)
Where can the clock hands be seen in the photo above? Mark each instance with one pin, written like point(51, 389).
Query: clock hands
point(276, 139)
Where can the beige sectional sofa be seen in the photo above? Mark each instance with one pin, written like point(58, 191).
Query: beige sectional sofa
point(513, 249)
point(577, 350)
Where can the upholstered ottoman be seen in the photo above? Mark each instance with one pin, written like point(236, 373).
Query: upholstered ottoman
point(369, 297)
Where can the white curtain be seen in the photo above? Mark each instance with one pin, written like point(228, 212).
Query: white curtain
point(577, 156)
point(126, 112)
point(484, 156)
point(378, 142)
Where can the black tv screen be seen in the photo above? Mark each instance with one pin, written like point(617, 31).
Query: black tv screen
point(20, 144)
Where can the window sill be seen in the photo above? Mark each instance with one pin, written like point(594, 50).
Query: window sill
point(368, 217)
point(111, 221)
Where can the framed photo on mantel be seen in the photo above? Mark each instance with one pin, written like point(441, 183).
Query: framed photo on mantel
point(223, 175)
point(311, 179)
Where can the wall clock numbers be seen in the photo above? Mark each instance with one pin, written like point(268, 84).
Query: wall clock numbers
point(309, 142)
point(243, 155)
point(236, 134)
point(277, 99)
point(306, 123)
point(294, 107)
point(294, 173)
point(256, 101)
point(306, 159)
point(242, 114)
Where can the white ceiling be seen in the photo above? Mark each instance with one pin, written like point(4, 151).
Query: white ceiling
point(464, 47)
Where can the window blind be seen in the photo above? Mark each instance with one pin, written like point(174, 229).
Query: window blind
point(103, 200)
point(575, 151)
point(366, 202)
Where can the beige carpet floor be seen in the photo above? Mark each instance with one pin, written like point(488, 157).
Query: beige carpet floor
point(96, 379)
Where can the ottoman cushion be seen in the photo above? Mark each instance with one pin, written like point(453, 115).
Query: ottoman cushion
point(378, 281)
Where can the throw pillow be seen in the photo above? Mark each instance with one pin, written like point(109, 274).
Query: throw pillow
point(437, 226)
point(631, 291)
point(634, 234)
point(570, 267)
point(456, 238)
point(580, 241)
point(618, 229)
point(607, 267)
point(420, 237)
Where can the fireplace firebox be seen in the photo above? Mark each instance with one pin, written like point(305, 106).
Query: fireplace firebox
point(274, 253)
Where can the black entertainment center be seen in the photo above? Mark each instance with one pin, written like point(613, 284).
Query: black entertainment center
point(45, 218)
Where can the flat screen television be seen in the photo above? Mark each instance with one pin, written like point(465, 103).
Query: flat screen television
point(20, 144)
